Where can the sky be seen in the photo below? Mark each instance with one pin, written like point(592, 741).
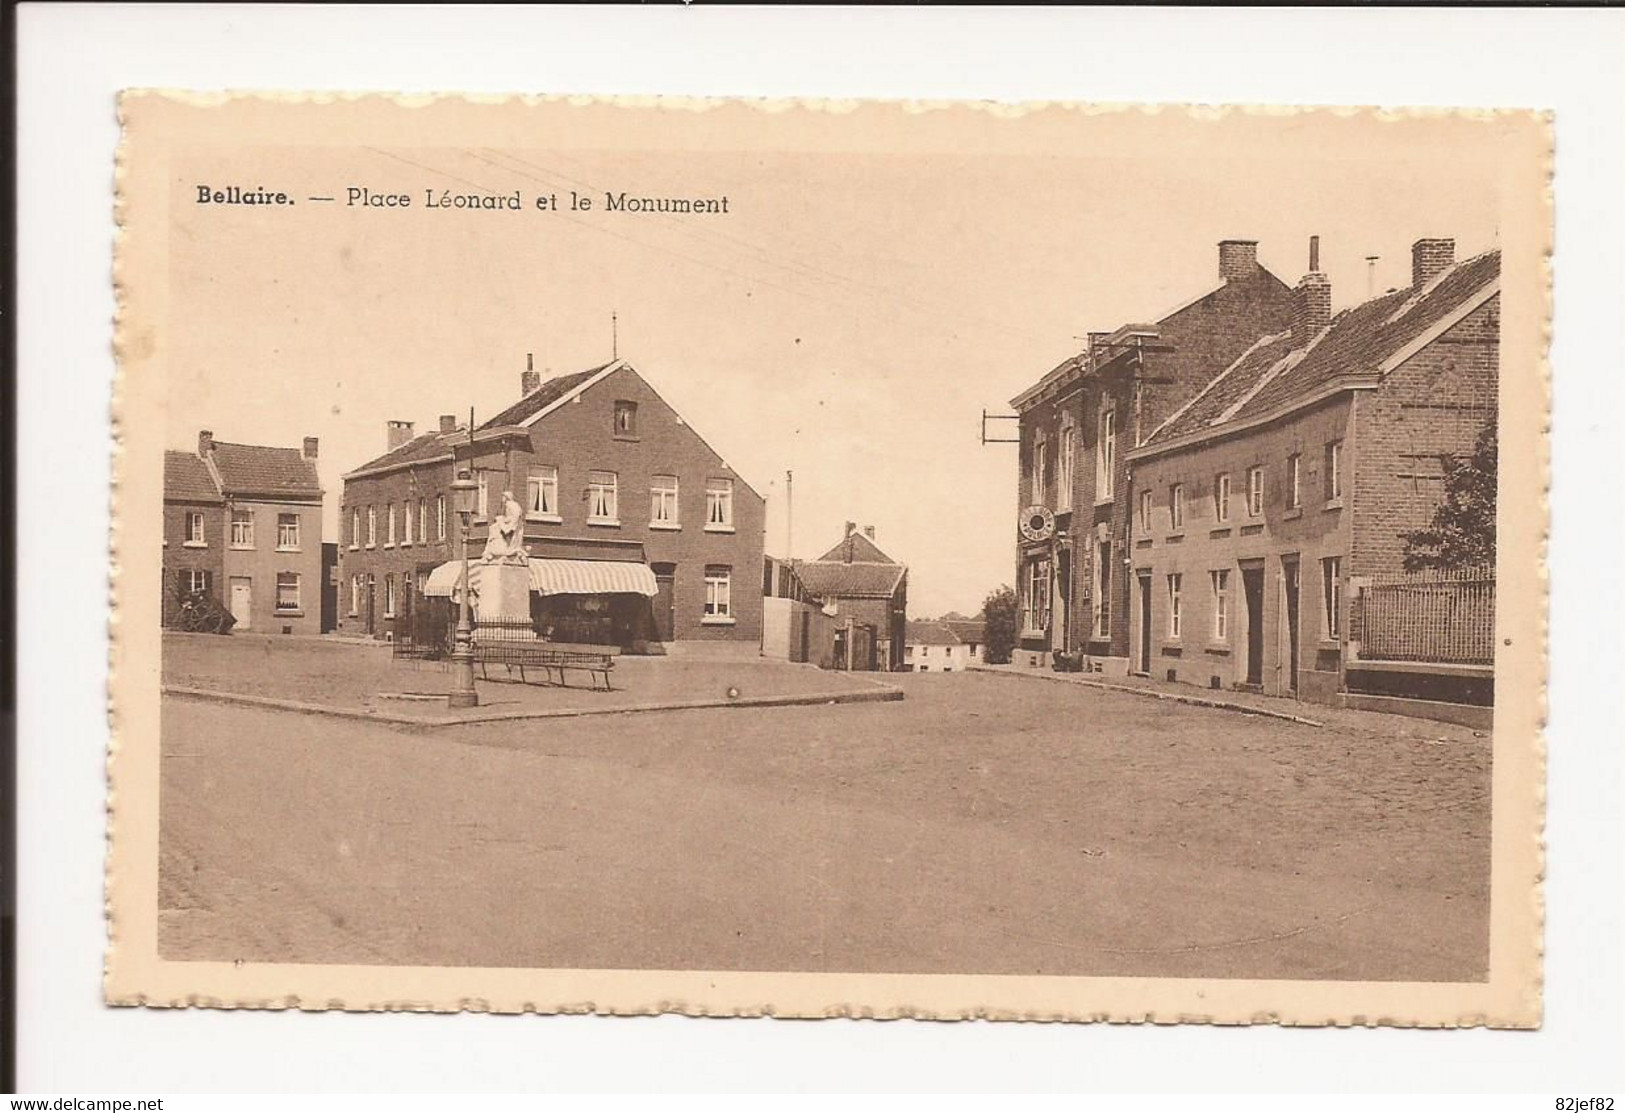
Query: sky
point(849, 319)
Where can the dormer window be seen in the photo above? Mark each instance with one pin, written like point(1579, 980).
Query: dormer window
point(626, 419)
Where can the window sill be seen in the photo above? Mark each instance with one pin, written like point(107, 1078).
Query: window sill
point(1330, 645)
point(1103, 500)
point(549, 519)
point(1216, 534)
point(1334, 504)
point(355, 548)
point(1219, 649)
point(406, 544)
point(194, 544)
point(1293, 513)
point(280, 549)
point(1174, 538)
point(613, 523)
point(717, 620)
point(1029, 634)
point(718, 529)
point(242, 548)
point(670, 527)
point(371, 546)
point(627, 437)
point(280, 613)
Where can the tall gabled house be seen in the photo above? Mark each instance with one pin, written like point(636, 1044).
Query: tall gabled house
point(1078, 424)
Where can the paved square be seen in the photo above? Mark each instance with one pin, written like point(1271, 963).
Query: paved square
point(984, 824)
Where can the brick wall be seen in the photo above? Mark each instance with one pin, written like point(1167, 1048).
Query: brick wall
point(406, 563)
point(260, 565)
point(1436, 402)
point(180, 558)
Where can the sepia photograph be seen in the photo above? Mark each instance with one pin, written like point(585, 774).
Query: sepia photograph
point(1050, 561)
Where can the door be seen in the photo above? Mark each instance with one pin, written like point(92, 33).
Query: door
point(1252, 584)
point(1145, 625)
point(665, 601)
point(1289, 569)
point(242, 600)
point(372, 604)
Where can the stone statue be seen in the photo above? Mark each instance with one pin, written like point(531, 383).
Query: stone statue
point(505, 544)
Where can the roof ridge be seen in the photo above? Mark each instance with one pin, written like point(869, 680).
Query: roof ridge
point(1199, 395)
point(1281, 367)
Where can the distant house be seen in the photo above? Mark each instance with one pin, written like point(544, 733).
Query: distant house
point(846, 610)
point(245, 522)
point(1078, 423)
point(934, 646)
point(1266, 545)
point(973, 633)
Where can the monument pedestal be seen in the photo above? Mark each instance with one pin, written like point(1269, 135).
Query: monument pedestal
point(505, 599)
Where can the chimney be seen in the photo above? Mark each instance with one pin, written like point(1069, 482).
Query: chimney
point(310, 448)
point(205, 444)
point(1312, 300)
point(397, 433)
point(869, 532)
point(529, 382)
point(448, 423)
point(1237, 258)
point(1430, 259)
point(851, 527)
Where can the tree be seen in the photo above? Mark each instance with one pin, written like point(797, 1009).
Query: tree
point(1000, 614)
point(1462, 533)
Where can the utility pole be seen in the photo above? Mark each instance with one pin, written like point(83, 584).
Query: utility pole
point(789, 515)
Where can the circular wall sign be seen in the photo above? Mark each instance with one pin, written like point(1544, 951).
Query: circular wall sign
point(1038, 523)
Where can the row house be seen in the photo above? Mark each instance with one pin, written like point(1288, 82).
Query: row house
point(943, 646)
point(1078, 424)
point(244, 523)
point(616, 488)
point(1267, 502)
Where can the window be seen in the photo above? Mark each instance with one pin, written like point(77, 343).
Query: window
point(1221, 498)
point(1040, 491)
point(1221, 604)
point(287, 591)
point(1294, 481)
point(1145, 511)
point(1332, 579)
point(719, 504)
point(440, 517)
point(196, 579)
point(718, 591)
point(1102, 608)
point(1175, 583)
point(355, 595)
point(626, 419)
point(542, 492)
point(194, 530)
point(389, 595)
point(1334, 470)
point(603, 504)
point(1035, 609)
point(287, 532)
point(355, 527)
point(389, 535)
point(482, 504)
point(1255, 492)
point(372, 526)
point(1069, 437)
point(1176, 507)
point(663, 501)
point(423, 520)
point(406, 522)
point(1106, 452)
point(242, 529)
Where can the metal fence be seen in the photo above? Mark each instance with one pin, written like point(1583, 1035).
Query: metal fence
point(1440, 617)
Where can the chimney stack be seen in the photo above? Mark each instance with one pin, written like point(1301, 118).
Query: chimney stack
point(869, 532)
point(448, 423)
point(851, 527)
point(1429, 259)
point(530, 382)
point(205, 443)
point(310, 448)
point(1237, 258)
point(1312, 300)
point(397, 433)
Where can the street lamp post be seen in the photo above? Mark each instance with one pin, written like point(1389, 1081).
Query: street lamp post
point(462, 692)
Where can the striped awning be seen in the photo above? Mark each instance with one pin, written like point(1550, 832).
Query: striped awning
point(555, 577)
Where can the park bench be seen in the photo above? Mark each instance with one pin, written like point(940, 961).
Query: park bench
point(549, 658)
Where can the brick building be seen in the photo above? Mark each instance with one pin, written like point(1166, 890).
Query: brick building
point(610, 477)
point(865, 594)
point(1078, 423)
point(245, 522)
point(194, 532)
point(1266, 503)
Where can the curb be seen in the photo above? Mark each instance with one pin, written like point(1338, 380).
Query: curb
point(882, 693)
point(1174, 697)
